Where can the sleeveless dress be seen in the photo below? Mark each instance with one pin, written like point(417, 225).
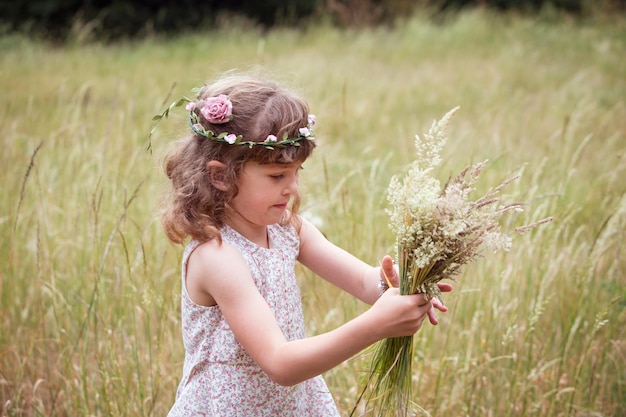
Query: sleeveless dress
point(219, 378)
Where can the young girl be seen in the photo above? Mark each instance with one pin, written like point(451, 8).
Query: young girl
point(234, 195)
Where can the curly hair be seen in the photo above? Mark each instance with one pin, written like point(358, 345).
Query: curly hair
point(193, 207)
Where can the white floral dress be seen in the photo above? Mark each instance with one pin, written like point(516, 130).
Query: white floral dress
point(219, 377)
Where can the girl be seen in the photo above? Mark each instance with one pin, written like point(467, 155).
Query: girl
point(234, 193)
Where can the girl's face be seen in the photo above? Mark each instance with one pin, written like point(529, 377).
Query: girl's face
point(264, 192)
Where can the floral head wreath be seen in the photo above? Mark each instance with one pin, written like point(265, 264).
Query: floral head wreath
point(219, 110)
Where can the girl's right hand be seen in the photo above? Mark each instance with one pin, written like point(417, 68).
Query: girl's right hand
point(396, 315)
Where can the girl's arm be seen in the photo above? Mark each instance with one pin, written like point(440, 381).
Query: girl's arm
point(222, 272)
point(350, 273)
point(341, 268)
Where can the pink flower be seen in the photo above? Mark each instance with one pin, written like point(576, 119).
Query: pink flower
point(217, 110)
point(230, 138)
point(304, 131)
point(312, 119)
point(190, 106)
point(270, 138)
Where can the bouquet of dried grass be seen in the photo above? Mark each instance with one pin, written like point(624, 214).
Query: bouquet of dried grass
point(438, 230)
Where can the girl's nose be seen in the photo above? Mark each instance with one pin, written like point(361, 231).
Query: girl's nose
point(292, 186)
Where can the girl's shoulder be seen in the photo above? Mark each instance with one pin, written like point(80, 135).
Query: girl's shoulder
point(213, 252)
point(307, 230)
point(206, 259)
point(288, 232)
point(214, 268)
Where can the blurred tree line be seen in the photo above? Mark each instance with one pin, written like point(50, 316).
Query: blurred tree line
point(115, 19)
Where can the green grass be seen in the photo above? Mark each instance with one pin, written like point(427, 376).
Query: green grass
point(89, 286)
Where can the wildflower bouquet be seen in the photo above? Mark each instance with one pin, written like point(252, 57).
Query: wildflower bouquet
point(438, 230)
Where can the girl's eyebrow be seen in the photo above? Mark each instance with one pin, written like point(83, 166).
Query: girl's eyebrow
point(284, 166)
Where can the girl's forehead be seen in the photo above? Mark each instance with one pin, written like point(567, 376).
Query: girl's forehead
point(258, 165)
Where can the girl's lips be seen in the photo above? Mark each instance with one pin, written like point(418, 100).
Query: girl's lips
point(281, 206)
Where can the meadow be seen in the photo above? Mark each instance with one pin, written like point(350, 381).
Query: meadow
point(90, 287)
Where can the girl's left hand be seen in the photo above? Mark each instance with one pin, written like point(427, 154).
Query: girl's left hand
point(389, 273)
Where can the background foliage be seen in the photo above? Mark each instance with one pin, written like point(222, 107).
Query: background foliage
point(90, 288)
point(115, 19)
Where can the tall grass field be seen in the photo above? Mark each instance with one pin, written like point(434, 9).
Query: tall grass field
point(90, 287)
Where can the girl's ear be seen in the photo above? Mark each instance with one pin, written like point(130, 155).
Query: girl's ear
point(216, 171)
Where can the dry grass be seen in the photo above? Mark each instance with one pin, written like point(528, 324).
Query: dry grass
point(89, 287)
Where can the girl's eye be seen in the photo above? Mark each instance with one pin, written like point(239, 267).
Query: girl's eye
point(282, 175)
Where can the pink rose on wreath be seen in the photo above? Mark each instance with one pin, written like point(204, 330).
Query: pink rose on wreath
point(217, 110)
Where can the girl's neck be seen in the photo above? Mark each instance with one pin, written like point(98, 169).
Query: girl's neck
point(255, 233)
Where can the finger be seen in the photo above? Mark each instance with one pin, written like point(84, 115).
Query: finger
point(444, 287)
point(395, 275)
point(438, 304)
point(432, 317)
point(388, 271)
point(421, 321)
point(387, 264)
